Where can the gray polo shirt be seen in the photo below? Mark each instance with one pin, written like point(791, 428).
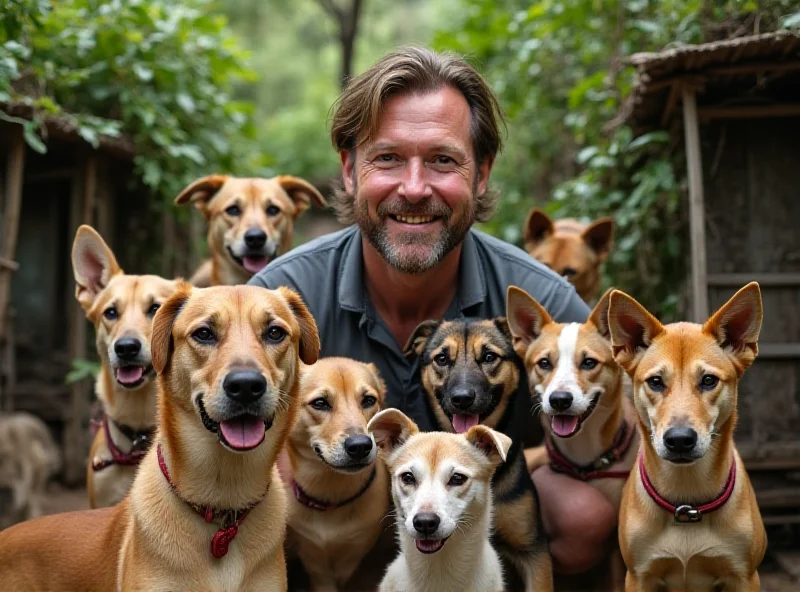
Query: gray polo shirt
point(329, 274)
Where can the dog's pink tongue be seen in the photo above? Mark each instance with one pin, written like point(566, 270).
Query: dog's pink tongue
point(254, 264)
point(243, 432)
point(564, 425)
point(130, 374)
point(462, 423)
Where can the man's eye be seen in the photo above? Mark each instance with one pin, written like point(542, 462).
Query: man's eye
point(386, 158)
point(445, 160)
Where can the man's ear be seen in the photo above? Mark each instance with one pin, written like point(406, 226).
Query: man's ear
point(419, 338)
point(391, 428)
point(632, 330)
point(537, 228)
point(309, 336)
point(301, 192)
point(93, 265)
point(161, 342)
point(201, 191)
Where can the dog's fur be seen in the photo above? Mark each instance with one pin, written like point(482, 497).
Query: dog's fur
point(457, 556)
point(28, 458)
point(338, 396)
point(477, 358)
point(570, 248)
point(670, 366)
point(153, 540)
point(121, 307)
point(233, 206)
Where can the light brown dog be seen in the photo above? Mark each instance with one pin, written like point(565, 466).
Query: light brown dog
point(250, 222)
point(339, 489)
point(689, 518)
point(28, 458)
point(207, 510)
point(121, 307)
point(570, 248)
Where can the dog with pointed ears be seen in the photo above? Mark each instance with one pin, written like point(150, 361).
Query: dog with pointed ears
point(570, 248)
point(472, 376)
point(207, 510)
point(689, 518)
point(121, 307)
point(250, 222)
point(442, 491)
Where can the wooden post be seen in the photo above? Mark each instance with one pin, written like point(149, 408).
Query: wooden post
point(697, 217)
point(13, 198)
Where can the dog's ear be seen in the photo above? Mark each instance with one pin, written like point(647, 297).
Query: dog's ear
point(301, 192)
point(93, 265)
point(419, 338)
point(391, 428)
point(599, 315)
point(309, 335)
point(538, 227)
point(632, 329)
point(378, 382)
point(502, 324)
point(599, 236)
point(161, 342)
point(526, 317)
point(737, 324)
point(491, 443)
point(200, 192)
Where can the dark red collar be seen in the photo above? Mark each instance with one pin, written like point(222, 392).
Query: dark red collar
point(323, 506)
point(685, 513)
point(231, 519)
point(140, 442)
point(594, 470)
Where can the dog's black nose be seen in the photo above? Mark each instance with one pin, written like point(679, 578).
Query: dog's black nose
point(255, 238)
point(426, 523)
point(561, 400)
point(127, 348)
point(358, 447)
point(680, 440)
point(244, 386)
point(462, 398)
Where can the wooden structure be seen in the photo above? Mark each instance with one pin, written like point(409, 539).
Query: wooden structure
point(740, 106)
point(44, 199)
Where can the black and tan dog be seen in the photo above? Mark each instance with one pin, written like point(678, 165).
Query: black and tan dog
point(471, 375)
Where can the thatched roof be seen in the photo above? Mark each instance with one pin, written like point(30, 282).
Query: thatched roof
point(755, 70)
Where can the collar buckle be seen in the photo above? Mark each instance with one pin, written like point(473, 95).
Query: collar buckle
point(686, 514)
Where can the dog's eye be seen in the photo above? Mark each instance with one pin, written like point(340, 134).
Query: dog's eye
point(233, 210)
point(321, 404)
point(111, 313)
point(275, 334)
point(708, 382)
point(588, 364)
point(273, 211)
point(656, 383)
point(204, 335)
point(544, 364)
point(368, 401)
point(408, 478)
point(441, 359)
point(569, 272)
point(489, 357)
point(457, 479)
point(153, 308)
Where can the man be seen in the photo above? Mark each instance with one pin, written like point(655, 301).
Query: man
point(417, 135)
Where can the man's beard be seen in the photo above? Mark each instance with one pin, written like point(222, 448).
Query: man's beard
point(412, 252)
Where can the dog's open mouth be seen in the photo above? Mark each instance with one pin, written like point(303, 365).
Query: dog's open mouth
point(241, 433)
point(253, 263)
point(429, 546)
point(566, 426)
point(462, 423)
point(132, 376)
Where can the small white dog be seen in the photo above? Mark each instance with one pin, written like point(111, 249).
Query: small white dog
point(441, 486)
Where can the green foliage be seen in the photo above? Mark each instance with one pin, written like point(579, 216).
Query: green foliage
point(82, 369)
point(161, 72)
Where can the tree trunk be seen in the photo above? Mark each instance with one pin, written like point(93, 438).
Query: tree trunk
point(349, 30)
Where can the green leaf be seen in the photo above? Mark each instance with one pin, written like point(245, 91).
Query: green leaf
point(791, 21)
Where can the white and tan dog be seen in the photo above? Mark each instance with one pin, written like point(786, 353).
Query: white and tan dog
point(207, 510)
point(441, 486)
point(121, 307)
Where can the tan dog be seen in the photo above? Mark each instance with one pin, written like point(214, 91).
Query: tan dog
point(206, 511)
point(28, 458)
point(250, 222)
point(689, 518)
point(121, 307)
point(339, 490)
point(442, 490)
point(570, 248)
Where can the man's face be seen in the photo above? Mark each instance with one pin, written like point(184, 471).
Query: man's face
point(415, 182)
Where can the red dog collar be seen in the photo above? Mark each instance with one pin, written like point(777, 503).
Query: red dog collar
point(140, 442)
point(561, 464)
point(686, 513)
point(322, 506)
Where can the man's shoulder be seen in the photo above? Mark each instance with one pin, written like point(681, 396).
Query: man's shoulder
point(326, 245)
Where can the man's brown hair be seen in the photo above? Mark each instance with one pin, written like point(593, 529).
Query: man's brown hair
point(416, 70)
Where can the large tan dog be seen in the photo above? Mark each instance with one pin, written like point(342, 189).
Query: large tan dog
point(250, 222)
point(207, 510)
point(28, 458)
point(689, 518)
point(570, 248)
point(121, 307)
point(339, 489)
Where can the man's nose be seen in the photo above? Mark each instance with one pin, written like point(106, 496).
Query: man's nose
point(415, 185)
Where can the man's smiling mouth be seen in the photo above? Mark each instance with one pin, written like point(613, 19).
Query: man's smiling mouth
point(413, 219)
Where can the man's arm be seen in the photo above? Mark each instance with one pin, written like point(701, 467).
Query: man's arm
point(573, 309)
